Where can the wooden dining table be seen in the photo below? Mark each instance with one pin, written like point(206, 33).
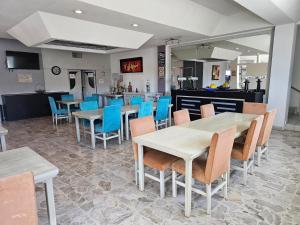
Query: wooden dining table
point(189, 141)
point(93, 115)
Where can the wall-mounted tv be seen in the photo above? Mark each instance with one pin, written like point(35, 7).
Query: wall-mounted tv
point(22, 60)
point(131, 65)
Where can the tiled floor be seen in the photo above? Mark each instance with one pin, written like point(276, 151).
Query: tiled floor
point(293, 122)
point(97, 187)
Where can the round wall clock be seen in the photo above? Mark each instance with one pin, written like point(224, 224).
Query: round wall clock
point(56, 70)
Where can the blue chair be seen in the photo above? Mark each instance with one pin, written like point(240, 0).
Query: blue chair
point(57, 113)
point(145, 109)
point(116, 101)
point(136, 100)
point(67, 97)
point(162, 112)
point(111, 123)
point(166, 97)
point(92, 98)
point(85, 106)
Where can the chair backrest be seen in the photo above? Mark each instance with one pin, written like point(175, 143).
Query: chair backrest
point(111, 118)
point(254, 108)
point(207, 110)
point(67, 97)
point(52, 104)
point(91, 98)
point(219, 154)
point(17, 200)
point(266, 128)
point(252, 137)
point(88, 105)
point(162, 110)
point(166, 97)
point(136, 100)
point(139, 127)
point(181, 116)
point(116, 101)
point(145, 109)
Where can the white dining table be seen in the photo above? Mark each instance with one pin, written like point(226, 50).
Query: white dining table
point(93, 115)
point(20, 160)
point(68, 103)
point(3, 133)
point(189, 141)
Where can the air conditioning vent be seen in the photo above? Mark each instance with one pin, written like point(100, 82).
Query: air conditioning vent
point(77, 55)
point(80, 45)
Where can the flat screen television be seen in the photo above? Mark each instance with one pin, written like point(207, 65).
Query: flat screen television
point(22, 60)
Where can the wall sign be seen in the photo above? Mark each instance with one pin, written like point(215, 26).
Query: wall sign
point(215, 72)
point(24, 78)
point(161, 64)
point(131, 65)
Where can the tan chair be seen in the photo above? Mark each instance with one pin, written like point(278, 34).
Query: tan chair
point(207, 110)
point(17, 200)
point(254, 108)
point(207, 171)
point(152, 158)
point(181, 116)
point(245, 152)
point(264, 136)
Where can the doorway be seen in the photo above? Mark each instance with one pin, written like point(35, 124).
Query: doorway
point(82, 83)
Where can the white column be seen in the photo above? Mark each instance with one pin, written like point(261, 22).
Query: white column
point(168, 70)
point(281, 70)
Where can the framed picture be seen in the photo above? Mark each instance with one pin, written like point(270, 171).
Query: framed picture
point(215, 72)
point(131, 65)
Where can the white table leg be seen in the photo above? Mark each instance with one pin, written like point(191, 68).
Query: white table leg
point(50, 201)
point(93, 140)
point(77, 128)
point(127, 125)
point(188, 187)
point(141, 166)
point(122, 128)
point(3, 143)
point(69, 113)
point(170, 117)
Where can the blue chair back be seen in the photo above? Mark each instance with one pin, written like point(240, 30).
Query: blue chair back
point(91, 98)
point(136, 100)
point(162, 109)
point(88, 105)
point(111, 118)
point(116, 101)
point(67, 97)
point(52, 105)
point(145, 109)
point(166, 97)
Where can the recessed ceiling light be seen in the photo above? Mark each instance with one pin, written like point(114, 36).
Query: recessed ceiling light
point(134, 25)
point(249, 51)
point(78, 11)
point(237, 48)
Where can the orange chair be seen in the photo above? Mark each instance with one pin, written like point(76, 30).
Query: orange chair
point(181, 116)
point(207, 171)
point(17, 200)
point(264, 136)
point(152, 158)
point(245, 152)
point(254, 108)
point(207, 110)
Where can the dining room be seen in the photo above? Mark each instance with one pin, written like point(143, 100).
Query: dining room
point(140, 119)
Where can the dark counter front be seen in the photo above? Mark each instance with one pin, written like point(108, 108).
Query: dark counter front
point(224, 101)
point(24, 106)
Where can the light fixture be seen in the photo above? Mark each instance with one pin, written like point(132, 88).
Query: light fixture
point(134, 25)
point(249, 51)
point(237, 48)
point(78, 11)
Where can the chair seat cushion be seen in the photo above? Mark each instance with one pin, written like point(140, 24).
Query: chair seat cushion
point(62, 111)
point(199, 165)
point(158, 160)
point(237, 151)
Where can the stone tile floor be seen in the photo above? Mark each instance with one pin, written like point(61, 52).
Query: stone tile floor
point(97, 187)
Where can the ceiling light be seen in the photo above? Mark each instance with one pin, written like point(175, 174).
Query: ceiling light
point(248, 51)
point(134, 25)
point(78, 11)
point(237, 48)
